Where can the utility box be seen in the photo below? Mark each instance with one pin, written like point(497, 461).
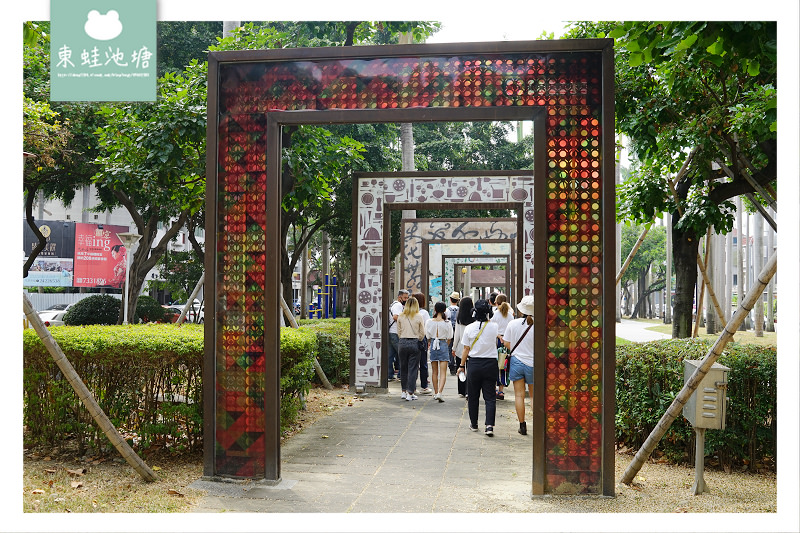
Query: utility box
point(706, 408)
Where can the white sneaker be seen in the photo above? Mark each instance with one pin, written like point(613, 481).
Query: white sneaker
point(403, 396)
point(426, 391)
point(436, 396)
point(411, 397)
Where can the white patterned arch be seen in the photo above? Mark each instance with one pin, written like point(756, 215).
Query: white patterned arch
point(375, 195)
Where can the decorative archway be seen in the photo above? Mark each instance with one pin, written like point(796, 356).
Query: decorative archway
point(414, 231)
point(565, 87)
point(451, 264)
point(436, 251)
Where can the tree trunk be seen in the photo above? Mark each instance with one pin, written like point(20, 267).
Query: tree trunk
point(684, 255)
point(100, 418)
point(42, 241)
point(668, 302)
point(758, 262)
point(739, 257)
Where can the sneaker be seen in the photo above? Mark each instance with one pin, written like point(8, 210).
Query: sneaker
point(489, 431)
point(441, 400)
point(523, 428)
point(473, 427)
point(403, 396)
point(462, 396)
point(411, 397)
point(426, 390)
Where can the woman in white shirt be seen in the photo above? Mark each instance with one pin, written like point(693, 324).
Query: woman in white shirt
point(480, 355)
point(519, 338)
point(439, 331)
point(503, 314)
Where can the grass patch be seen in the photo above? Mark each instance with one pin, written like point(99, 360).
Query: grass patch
point(742, 337)
point(68, 484)
point(107, 484)
point(621, 341)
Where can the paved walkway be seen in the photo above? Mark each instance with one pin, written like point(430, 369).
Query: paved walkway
point(635, 330)
point(386, 455)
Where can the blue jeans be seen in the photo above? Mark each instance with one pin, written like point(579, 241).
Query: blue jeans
point(394, 362)
point(481, 377)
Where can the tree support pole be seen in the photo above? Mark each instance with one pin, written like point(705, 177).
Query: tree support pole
point(694, 381)
point(633, 253)
point(100, 418)
point(290, 317)
point(190, 301)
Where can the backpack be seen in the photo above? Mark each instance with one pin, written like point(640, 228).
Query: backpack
point(453, 315)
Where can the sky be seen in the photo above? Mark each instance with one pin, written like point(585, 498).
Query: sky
point(462, 22)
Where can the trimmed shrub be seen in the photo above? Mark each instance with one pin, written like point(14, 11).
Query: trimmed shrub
point(649, 375)
point(95, 309)
point(148, 310)
point(146, 378)
point(298, 350)
point(333, 340)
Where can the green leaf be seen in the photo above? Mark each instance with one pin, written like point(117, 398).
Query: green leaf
point(754, 68)
point(635, 59)
point(687, 42)
point(617, 32)
point(717, 48)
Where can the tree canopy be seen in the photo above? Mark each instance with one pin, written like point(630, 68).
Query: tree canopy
point(702, 96)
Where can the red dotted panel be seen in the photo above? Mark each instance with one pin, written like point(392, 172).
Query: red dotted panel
point(567, 84)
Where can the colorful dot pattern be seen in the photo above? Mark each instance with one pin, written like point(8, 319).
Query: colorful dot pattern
point(566, 84)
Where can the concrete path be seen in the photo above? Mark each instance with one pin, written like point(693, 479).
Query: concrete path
point(636, 331)
point(387, 455)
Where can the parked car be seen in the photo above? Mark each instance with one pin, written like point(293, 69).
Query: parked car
point(58, 307)
point(52, 318)
point(195, 313)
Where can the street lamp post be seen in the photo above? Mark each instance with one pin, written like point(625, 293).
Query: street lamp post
point(128, 240)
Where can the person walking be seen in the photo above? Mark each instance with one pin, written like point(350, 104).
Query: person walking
point(463, 319)
point(452, 313)
point(518, 339)
point(502, 315)
point(439, 331)
point(479, 360)
point(411, 330)
point(424, 382)
point(395, 310)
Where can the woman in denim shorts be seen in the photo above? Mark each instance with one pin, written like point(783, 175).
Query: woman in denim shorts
point(439, 330)
point(518, 337)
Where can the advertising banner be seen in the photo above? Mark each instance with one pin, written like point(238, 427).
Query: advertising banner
point(53, 266)
point(100, 259)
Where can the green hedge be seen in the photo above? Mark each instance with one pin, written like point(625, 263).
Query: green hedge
point(649, 376)
point(333, 338)
point(147, 379)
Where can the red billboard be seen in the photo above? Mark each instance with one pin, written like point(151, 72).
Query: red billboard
point(100, 259)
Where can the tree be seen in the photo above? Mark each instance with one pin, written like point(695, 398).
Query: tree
point(705, 87)
point(152, 163)
point(180, 272)
point(181, 42)
point(650, 255)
